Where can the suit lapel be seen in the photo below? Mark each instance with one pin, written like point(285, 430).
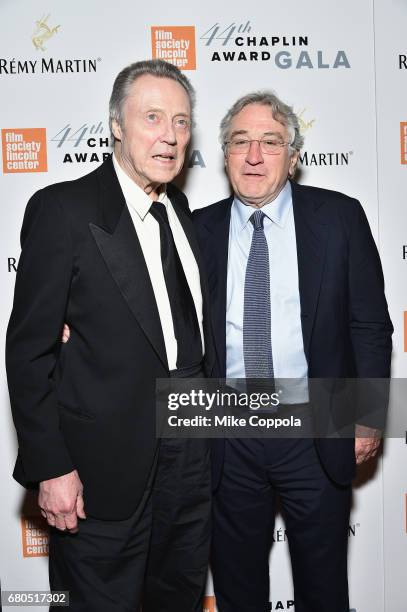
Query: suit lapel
point(120, 248)
point(216, 250)
point(311, 237)
point(185, 219)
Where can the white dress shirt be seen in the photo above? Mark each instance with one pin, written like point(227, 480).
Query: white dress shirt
point(148, 232)
point(289, 359)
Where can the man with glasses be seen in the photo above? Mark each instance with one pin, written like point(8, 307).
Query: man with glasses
point(297, 293)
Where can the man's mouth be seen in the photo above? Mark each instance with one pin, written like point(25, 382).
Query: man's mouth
point(164, 156)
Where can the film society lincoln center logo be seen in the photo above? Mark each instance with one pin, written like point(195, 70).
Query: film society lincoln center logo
point(209, 604)
point(35, 536)
point(174, 44)
point(24, 150)
point(403, 142)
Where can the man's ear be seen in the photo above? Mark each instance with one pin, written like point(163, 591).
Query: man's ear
point(117, 130)
point(293, 164)
point(225, 159)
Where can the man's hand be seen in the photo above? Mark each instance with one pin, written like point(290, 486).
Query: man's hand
point(61, 501)
point(66, 332)
point(367, 442)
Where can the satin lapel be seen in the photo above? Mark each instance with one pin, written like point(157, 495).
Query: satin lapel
point(312, 233)
point(216, 259)
point(188, 227)
point(189, 230)
point(120, 248)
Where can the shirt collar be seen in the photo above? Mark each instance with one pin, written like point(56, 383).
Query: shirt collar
point(277, 210)
point(135, 197)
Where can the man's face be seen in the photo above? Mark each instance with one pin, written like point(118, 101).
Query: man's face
point(258, 178)
point(151, 143)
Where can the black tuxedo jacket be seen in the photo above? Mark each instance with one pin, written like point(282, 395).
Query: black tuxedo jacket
point(88, 404)
point(345, 322)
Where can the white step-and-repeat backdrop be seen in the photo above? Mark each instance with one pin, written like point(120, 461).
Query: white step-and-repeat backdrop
point(342, 65)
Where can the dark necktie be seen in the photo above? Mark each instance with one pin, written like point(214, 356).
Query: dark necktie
point(258, 357)
point(186, 328)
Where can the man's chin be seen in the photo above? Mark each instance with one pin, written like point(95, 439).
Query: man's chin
point(165, 175)
point(252, 199)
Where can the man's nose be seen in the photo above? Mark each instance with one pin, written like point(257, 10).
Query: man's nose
point(169, 135)
point(254, 155)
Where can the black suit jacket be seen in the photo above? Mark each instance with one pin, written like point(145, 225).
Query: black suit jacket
point(345, 322)
point(88, 404)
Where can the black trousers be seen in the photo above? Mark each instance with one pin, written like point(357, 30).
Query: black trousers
point(158, 557)
point(316, 513)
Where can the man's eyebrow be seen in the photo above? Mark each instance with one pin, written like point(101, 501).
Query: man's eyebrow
point(245, 133)
point(151, 109)
point(272, 134)
point(238, 132)
point(158, 109)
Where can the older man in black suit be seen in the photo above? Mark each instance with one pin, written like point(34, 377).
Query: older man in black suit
point(114, 255)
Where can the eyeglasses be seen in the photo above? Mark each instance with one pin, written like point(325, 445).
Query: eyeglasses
point(268, 146)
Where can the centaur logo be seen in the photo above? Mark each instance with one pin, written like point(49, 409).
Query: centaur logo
point(43, 32)
point(174, 44)
point(305, 124)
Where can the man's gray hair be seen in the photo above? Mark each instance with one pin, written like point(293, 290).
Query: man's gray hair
point(281, 112)
point(126, 78)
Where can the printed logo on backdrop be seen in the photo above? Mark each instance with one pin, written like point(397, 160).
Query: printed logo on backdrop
point(35, 536)
point(403, 142)
point(24, 150)
point(280, 604)
point(242, 42)
point(328, 158)
point(42, 34)
point(12, 264)
point(280, 535)
point(405, 499)
point(209, 604)
point(82, 144)
point(305, 124)
point(174, 44)
point(196, 160)
point(402, 61)
point(353, 530)
point(320, 159)
point(90, 143)
point(289, 605)
point(34, 528)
